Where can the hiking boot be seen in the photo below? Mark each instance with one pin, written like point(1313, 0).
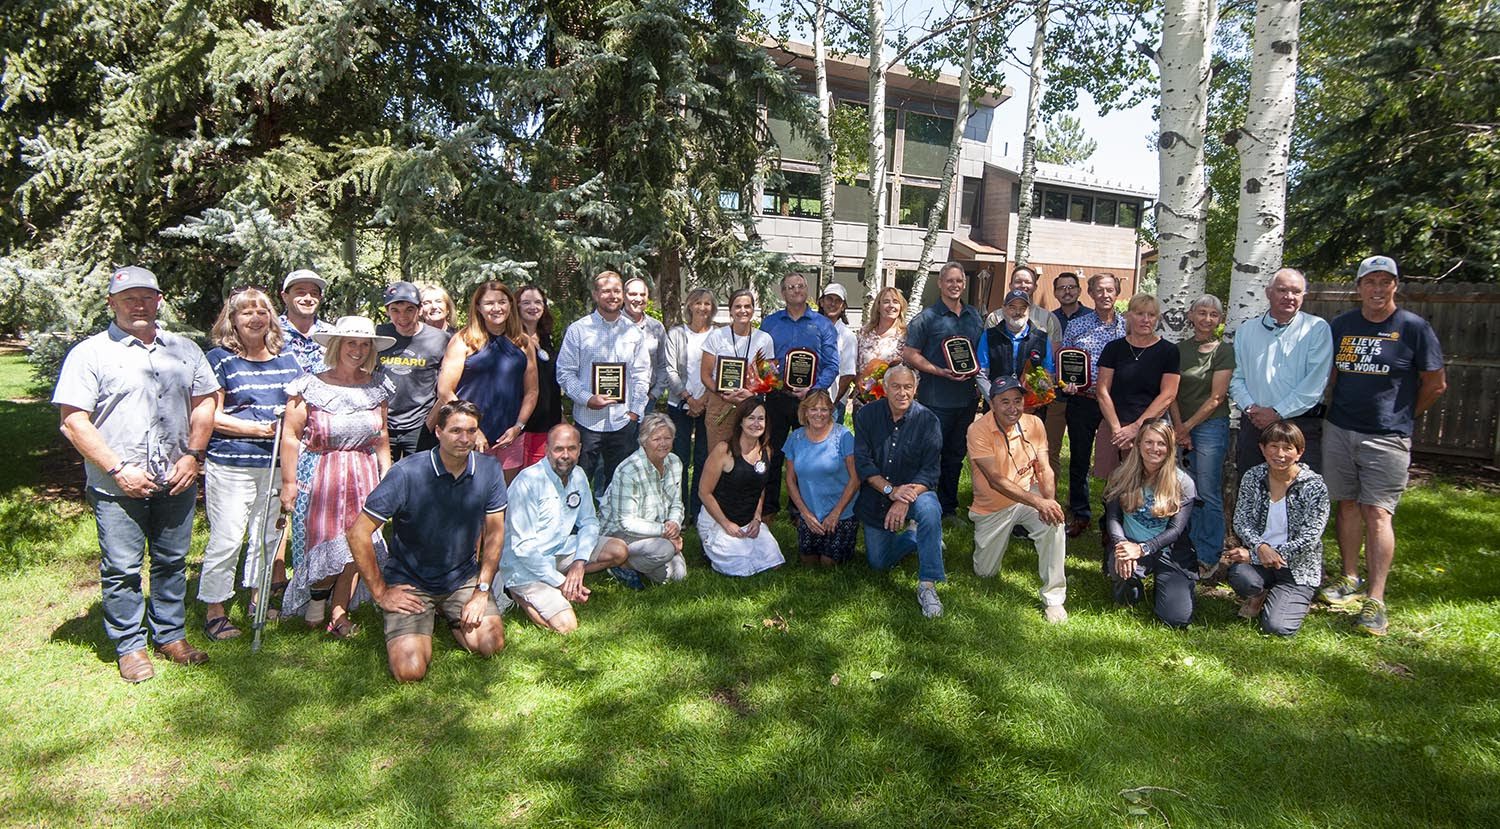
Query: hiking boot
point(1371, 618)
point(1347, 590)
point(927, 597)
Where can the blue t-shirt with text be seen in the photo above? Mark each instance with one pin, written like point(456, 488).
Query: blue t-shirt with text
point(1378, 368)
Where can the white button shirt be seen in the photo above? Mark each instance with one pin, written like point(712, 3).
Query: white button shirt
point(592, 340)
point(545, 519)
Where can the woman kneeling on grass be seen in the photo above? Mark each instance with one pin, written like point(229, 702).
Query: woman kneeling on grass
point(734, 477)
point(822, 483)
point(1280, 516)
point(1147, 504)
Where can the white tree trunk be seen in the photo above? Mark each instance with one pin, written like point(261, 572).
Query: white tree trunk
point(1263, 144)
point(875, 230)
point(950, 171)
point(1022, 253)
point(1182, 203)
point(825, 161)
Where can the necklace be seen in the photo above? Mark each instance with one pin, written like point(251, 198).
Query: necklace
point(1136, 355)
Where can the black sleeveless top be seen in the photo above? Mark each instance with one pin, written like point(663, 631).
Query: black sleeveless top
point(548, 411)
point(738, 491)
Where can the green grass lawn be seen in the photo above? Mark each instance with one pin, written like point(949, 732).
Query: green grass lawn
point(795, 698)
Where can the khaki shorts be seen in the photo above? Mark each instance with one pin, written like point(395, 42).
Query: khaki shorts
point(548, 600)
point(451, 605)
point(1368, 469)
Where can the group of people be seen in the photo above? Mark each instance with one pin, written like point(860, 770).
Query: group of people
point(429, 467)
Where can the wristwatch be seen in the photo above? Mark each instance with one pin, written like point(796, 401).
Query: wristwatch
point(887, 490)
point(198, 454)
point(482, 587)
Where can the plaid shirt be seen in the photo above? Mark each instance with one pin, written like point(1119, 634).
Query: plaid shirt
point(639, 501)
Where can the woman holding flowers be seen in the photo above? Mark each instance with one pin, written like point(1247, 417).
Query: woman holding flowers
point(879, 345)
point(737, 341)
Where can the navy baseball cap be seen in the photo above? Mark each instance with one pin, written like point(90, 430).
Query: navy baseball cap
point(1005, 383)
point(401, 292)
point(1015, 295)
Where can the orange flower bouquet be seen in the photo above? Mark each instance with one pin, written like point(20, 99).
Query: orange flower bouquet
point(765, 379)
point(1040, 387)
point(869, 386)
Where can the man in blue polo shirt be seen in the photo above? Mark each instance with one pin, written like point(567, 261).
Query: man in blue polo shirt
point(951, 395)
point(440, 504)
point(795, 326)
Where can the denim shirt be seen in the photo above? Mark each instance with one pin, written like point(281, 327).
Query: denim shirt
point(904, 452)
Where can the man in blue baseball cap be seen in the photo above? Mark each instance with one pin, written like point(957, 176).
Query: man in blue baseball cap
point(412, 364)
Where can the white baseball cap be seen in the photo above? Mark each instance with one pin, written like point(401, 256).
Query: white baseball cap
point(1377, 264)
point(303, 275)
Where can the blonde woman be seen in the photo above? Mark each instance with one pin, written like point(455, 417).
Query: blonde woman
point(1147, 504)
point(339, 417)
point(253, 373)
point(884, 334)
point(437, 307)
point(687, 396)
point(1138, 377)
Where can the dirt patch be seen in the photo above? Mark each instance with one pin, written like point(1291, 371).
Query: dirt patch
point(730, 698)
point(1472, 473)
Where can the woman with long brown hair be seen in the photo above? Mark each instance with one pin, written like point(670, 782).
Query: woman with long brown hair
point(1147, 504)
point(734, 538)
point(492, 364)
point(538, 324)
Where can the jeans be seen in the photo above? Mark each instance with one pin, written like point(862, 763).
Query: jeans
point(129, 528)
point(602, 452)
point(1206, 463)
point(884, 548)
point(691, 447)
point(235, 499)
point(954, 424)
point(1287, 603)
point(1172, 599)
point(1084, 418)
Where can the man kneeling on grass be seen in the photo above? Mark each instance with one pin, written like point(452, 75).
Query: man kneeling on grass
point(1013, 486)
point(440, 504)
point(554, 536)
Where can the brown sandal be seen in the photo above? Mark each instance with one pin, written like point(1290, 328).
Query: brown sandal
point(344, 628)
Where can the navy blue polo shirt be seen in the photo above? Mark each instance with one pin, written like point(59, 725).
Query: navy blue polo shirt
point(436, 519)
point(926, 334)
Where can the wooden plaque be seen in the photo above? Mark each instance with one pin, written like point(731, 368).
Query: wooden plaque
point(609, 381)
point(1074, 366)
point(729, 373)
point(801, 368)
point(959, 353)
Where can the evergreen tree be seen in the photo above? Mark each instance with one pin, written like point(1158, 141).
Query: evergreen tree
point(1066, 143)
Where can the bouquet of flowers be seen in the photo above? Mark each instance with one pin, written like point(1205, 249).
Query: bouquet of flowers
point(869, 386)
point(765, 378)
point(1041, 389)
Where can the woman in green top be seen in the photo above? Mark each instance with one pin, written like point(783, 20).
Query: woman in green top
point(1200, 415)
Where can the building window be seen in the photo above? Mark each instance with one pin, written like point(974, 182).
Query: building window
point(973, 200)
point(1054, 204)
point(793, 144)
point(1104, 211)
point(792, 194)
point(1080, 208)
point(1129, 215)
point(851, 202)
point(926, 148)
point(917, 202)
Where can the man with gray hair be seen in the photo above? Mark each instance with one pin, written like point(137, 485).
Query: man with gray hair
point(137, 403)
point(1281, 364)
point(643, 507)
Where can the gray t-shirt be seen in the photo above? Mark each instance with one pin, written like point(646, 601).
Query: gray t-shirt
point(412, 366)
point(138, 396)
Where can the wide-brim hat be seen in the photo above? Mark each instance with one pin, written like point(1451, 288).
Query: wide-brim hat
point(354, 328)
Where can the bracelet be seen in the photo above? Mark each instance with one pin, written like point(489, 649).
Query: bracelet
point(113, 472)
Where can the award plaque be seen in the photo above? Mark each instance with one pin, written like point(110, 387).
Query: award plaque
point(959, 353)
point(729, 373)
point(1073, 366)
point(801, 367)
point(609, 381)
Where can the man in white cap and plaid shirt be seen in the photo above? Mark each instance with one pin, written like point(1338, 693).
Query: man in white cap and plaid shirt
point(137, 402)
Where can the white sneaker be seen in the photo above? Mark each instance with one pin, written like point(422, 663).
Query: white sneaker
point(927, 597)
point(1055, 614)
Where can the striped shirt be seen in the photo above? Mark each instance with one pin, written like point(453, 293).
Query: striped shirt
point(308, 352)
point(640, 500)
point(253, 390)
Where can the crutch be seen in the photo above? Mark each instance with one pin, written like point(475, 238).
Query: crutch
point(268, 562)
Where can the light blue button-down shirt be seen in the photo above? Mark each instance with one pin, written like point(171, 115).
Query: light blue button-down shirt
point(1284, 367)
point(546, 519)
point(592, 340)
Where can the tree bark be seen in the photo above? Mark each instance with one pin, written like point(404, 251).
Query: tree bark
point(1184, 62)
point(1022, 253)
point(1263, 145)
point(950, 170)
point(825, 160)
point(875, 229)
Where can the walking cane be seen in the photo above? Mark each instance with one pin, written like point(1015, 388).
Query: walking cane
point(268, 562)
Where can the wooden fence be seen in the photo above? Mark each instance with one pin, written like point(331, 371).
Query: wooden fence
point(1466, 420)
